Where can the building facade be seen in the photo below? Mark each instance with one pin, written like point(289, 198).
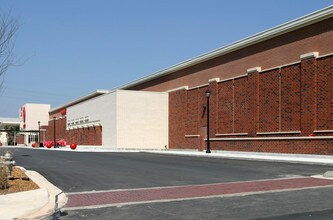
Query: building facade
point(270, 92)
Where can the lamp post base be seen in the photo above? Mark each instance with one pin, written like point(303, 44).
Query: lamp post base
point(208, 152)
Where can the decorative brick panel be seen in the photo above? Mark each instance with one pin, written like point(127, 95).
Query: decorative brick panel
point(253, 98)
point(202, 101)
point(225, 107)
point(213, 107)
point(241, 100)
point(325, 93)
point(269, 90)
point(308, 96)
point(290, 98)
point(193, 109)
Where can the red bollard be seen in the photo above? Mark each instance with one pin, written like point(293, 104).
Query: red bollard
point(33, 145)
point(48, 145)
point(73, 146)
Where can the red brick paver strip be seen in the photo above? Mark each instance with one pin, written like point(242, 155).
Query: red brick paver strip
point(186, 192)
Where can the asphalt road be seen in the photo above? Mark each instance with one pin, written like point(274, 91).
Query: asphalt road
point(77, 172)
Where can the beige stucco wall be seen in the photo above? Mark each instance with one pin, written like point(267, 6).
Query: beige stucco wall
point(100, 110)
point(142, 119)
point(129, 119)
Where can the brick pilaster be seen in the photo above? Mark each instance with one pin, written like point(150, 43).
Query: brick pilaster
point(253, 93)
point(308, 93)
point(213, 106)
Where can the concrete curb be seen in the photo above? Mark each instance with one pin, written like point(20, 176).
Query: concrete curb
point(34, 204)
point(49, 208)
point(273, 157)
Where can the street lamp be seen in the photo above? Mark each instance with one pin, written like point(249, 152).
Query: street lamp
point(208, 141)
point(54, 133)
point(39, 134)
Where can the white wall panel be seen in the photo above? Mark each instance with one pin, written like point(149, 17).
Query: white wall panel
point(142, 119)
point(101, 109)
point(35, 113)
point(129, 119)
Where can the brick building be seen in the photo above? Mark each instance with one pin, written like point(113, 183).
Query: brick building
point(270, 92)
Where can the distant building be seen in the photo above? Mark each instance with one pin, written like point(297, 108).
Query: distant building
point(7, 138)
point(32, 118)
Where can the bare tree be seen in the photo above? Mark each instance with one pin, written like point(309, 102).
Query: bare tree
point(8, 28)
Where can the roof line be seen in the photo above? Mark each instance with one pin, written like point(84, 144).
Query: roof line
point(295, 24)
point(82, 98)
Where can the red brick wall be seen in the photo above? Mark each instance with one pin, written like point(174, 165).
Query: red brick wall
point(324, 147)
point(269, 84)
point(85, 136)
point(80, 136)
point(290, 100)
point(61, 132)
point(213, 119)
point(177, 118)
point(20, 139)
point(324, 93)
point(308, 96)
point(192, 120)
point(253, 102)
point(225, 107)
point(241, 105)
point(296, 98)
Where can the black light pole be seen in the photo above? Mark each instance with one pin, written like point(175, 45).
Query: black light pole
point(208, 141)
point(39, 134)
point(54, 133)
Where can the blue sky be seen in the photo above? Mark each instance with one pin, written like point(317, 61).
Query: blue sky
point(66, 49)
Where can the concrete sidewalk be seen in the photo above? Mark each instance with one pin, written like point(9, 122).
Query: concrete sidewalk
point(34, 204)
point(276, 157)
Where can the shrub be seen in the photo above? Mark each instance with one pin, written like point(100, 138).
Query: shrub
point(3, 177)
